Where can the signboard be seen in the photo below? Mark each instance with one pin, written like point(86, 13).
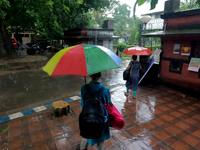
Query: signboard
point(185, 51)
point(154, 56)
point(176, 49)
point(194, 64)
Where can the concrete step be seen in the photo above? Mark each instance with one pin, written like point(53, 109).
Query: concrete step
point(22, 65)
point(2, 67)
point(22, 68)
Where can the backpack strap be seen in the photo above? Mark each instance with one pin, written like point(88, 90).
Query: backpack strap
point(131, 68)
point(107, 98)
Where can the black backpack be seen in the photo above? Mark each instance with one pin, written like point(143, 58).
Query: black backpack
point(127, 73)
point(92, 119)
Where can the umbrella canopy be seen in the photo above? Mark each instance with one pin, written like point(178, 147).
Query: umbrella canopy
point(137, 51)
point(83, 60)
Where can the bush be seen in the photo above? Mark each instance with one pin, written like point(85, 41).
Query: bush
point(121, 46)
point(153, 47)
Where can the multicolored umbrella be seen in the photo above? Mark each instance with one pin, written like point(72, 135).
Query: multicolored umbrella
point(83, 60)
point(137, 51)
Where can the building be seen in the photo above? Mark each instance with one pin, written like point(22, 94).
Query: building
point(180, 40)
point(26, 37)
point(156, 23)
point(100, 36)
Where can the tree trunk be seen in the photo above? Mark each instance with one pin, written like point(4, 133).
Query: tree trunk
point(6, 45)
point(60, 108)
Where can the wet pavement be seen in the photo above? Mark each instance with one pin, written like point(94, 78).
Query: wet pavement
point(159, 118)
point(23, 90)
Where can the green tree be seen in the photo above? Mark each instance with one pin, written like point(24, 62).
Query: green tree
point(135, 33)
point(188, 4)
point(6, 46)
point(98, 16)
point(121, 47)
point(47, 18)
point(122, 18)
point(153, 4)
point(124, 25)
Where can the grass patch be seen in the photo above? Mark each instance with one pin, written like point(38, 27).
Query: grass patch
point(125, 58)
point(129, 56)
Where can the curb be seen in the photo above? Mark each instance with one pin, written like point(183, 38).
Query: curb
point(34, 110)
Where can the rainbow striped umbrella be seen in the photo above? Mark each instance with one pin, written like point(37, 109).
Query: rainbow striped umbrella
point(83, 60)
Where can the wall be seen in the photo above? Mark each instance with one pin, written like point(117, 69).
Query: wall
point(185, 22)
point(25, 39)
point(108, 44)
point(186, 78)
point(72, 42)
point(168, 46)
point(104, 37)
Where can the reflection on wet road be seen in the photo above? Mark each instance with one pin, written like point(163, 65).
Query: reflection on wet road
point(159, 118)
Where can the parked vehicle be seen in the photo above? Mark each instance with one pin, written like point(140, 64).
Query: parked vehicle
point(35, 48)
point(29, 45)
point(16, 45)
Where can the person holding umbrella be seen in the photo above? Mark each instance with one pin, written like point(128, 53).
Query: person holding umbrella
point(132, 82)
point(95, 88)
point(134, 65)
point(88, 60)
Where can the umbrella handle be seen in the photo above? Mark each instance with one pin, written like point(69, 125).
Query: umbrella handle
point(85, 79)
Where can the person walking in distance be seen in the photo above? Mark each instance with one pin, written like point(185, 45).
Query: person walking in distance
point(93, 121)
point(132, 82)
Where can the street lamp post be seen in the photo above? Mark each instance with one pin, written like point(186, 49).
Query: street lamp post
point(140, 30)
point(96, 26)
point(145, 20)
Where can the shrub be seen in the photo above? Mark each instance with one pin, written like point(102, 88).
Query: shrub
point(153, 47)
point(121, 46)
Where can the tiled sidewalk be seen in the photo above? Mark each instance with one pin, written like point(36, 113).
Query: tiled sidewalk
point(160, 118)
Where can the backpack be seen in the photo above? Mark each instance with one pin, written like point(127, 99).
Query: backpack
point(93, 117)
point(127, 73)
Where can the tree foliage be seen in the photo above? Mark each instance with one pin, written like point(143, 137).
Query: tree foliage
point(122, 18)
point(153, 4)
point(124, 25)
point(48, 18)
point(121, 47)
point(98, 16)
point(4, 4)
point(188, 4)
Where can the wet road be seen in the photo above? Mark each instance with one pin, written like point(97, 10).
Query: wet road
point(25, 90)
point(159, 118)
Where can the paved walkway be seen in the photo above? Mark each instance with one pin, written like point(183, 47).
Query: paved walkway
point(160, 118)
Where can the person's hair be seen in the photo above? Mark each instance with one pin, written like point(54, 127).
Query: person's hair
point(134, 57)
point(96, 75)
